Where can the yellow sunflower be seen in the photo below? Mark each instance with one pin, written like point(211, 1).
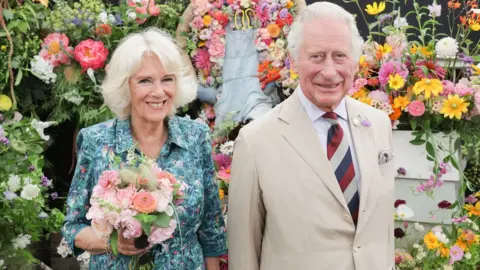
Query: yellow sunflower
point(429, 87)
point(375, 8)
point(454, 106)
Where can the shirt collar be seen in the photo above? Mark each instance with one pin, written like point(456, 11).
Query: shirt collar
point(314, 113)
point(124, 139)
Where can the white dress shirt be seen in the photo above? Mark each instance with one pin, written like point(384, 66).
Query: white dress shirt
point(321, 126)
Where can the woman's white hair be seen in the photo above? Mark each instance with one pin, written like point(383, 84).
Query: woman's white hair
point(322, 10)
point(127, 59)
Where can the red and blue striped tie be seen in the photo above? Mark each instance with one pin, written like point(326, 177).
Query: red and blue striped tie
point(338, 152)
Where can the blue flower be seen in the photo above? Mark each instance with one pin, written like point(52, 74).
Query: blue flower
point(10, 195)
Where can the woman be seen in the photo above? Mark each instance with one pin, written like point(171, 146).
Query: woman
point(147, 79)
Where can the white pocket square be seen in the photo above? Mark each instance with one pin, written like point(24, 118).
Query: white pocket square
point(384, 157)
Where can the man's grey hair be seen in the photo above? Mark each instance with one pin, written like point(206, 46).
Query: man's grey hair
point(127, 60)
point(322, 10)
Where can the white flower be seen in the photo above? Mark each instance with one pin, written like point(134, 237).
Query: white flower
point(103, 17)
point(63, 249)
point(404, 212)
point(417, 246)
point(245, 3)
point(419, 227)
point(421, 255)
point(280, 43)
point(131, 15)
point(468, 255)
point(435, 10)
point(30, 192)
point(400, 22)
point(437, 229)
point(39, 126)
point(84, 260)
point(227, 148)
point(73, 97)
point(111, 18)
point(14, 183)
point(42, 215)
point(446, 47)
point(21, 242)
point(43, 69)
point(447, 267)
point(442, 237)
point(169, 211)
point(91, 75)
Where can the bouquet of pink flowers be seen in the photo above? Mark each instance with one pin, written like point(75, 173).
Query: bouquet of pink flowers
point(140, 201)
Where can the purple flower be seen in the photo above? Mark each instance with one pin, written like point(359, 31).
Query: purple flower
point(459, 220)
point(471, 199)
point(45, 181)
point(402, 171)
point(222, 160)
point(435, 10)
point(77, 21)
point(118, 20)
point(10, 195)
point(54, 195)
point(385, 19)
point(283, 13)
point(5, 141)
point(31, 168)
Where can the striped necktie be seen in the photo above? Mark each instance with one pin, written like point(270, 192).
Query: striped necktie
point(338, 152)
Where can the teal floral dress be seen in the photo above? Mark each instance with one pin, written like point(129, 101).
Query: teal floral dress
point(187, 155)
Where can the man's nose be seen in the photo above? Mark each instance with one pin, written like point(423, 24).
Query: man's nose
point(329, 70)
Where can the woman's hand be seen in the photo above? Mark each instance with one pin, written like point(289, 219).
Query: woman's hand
point(127, 247)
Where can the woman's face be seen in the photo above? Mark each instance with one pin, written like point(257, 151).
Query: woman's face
point(152, 91)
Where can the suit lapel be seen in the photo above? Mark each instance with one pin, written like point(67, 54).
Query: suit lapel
point(363, 141)
point(299, 133)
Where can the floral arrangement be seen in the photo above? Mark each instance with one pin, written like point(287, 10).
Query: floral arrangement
point(271, 21)
point(139, 200)
point(25, 190)
point(456, 246)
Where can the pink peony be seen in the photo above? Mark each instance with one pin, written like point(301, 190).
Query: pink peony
point(390, 68)
point(98, 191)
point(153, 10)
point(125, 196)
point(217, 50)
point(108, 179)
point(202, 59)
point(102, 227)
point(56, 50)
point(158, 235)
point(416, 108)
point(197, 22)
point(91, 54)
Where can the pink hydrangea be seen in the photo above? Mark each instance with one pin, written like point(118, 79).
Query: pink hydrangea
point(95, 212)
point(158, 235)
point(463, 90)
point(378, 95)
point(416, 108)
point(91, 54)
point(132, 227)
point(125, 196)
point(56, 50)
point(448, 88)
point(391, 68)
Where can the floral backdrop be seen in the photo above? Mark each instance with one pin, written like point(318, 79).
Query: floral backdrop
point(52, 63)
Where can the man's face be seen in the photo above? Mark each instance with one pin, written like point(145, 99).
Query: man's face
point(325, 65)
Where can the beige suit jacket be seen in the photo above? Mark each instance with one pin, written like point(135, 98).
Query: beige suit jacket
point(286, 209)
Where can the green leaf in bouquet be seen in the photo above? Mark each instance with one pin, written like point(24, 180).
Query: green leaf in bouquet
point(430, 149)
point(162, 220)
point(146, 218)
point(114, 242)
point(8, 14)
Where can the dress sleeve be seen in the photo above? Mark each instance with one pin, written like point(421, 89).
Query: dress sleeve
point(79, 194)
point(211, 233)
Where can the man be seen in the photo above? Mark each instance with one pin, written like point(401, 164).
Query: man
point(312, 183)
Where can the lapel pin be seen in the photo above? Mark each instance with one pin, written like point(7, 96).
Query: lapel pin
point(364, 121)
point(356, 122)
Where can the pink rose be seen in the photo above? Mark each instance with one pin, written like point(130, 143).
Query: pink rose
point(143, 11)
point(416, 108)
point(197, 23)
point(217, 50)
point(163, 199)
point(109, 178)
point(158, 235)
point(91, 54)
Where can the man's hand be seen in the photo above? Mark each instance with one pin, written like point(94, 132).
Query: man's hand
point(126, 246)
